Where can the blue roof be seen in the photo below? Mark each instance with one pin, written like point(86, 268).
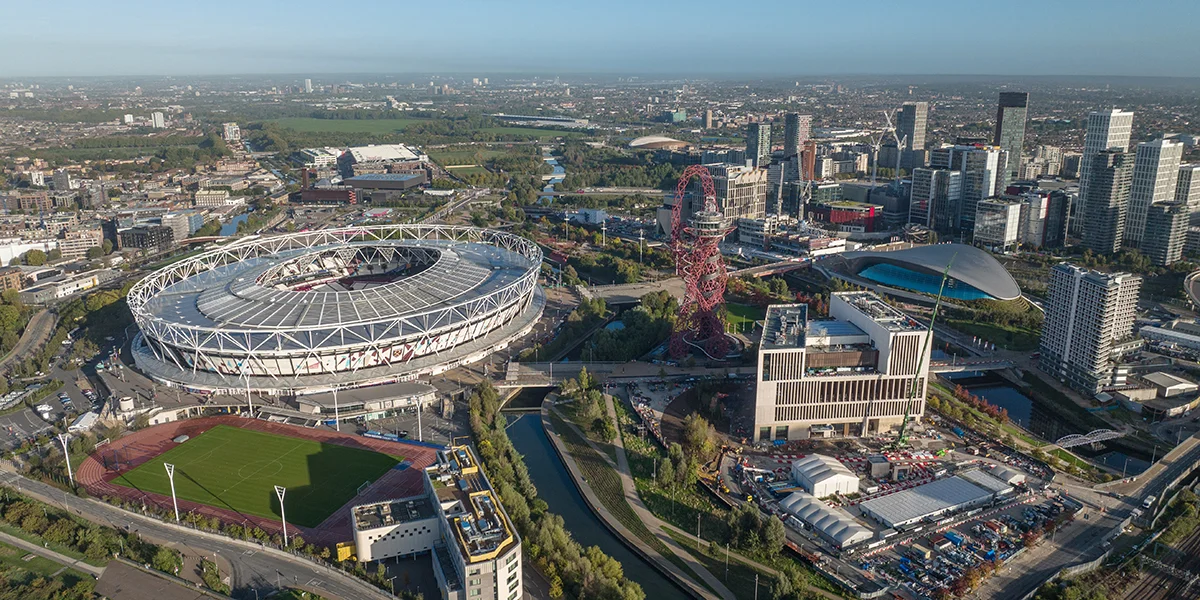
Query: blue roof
point(383, 177)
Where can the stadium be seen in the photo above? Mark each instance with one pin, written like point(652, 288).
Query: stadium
point(304, 313)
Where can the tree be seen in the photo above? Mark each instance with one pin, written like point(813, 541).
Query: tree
point(55, 254)
point(697, 436)
point(95, 253)
point(773, 535)
point(35, 258)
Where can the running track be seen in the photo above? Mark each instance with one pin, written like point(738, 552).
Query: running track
point(139, 447)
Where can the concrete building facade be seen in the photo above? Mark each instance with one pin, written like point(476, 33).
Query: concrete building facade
point(854, 373)
point(1087, 313)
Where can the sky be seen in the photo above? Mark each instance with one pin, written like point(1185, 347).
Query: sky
point(701, 37)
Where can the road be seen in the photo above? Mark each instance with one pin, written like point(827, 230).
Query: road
point(255, 572)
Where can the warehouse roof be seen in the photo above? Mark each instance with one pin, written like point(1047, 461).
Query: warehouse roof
point(914, 504)
point(986, 481)
point(835, 524)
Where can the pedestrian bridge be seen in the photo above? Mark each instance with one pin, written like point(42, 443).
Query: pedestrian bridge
point(1075, 439)
point(940, 366)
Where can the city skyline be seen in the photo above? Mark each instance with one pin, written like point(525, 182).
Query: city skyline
point(626, 37)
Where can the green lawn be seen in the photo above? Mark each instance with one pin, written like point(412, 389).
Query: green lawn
point(12, 558)
point(1006, 337)
point(461, 155)
point(467, 171)
point(237, 469)
point(310, 125)
point(542, 134)
point(744, 313)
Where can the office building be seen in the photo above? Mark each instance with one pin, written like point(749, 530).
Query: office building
point(854, 373)
point(183, 224)
point(158, 121)
point(1155, 177)
point(758, 143)
point(998, 224)
point(1105, 130)
point(1108, 201)
point(153, 238)
point(75, 243)
point(308, 89)
point(458, 519)
point(911, 129)
point(797, 128)
point(1166, 232)
point(935, 193)
point(1044, 218)
point(1087, 314)
point(741, 193)
point(128, 120)
point(230, 132)
point(1187, 187)
point(213, 198)
point(708, 119)
point(981, 168)
point(1010, 130)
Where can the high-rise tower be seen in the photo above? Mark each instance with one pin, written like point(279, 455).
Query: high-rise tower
point(797, 128)
point(1155, 177)
point(758, 143)
point(1010, 131)
point(1105, 130)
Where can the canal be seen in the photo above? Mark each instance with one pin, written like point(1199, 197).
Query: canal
point(1040, 420)
point(556, 488)
point(230, 228)
point(557, 176)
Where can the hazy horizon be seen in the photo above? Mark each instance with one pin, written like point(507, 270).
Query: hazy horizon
point(138, 38)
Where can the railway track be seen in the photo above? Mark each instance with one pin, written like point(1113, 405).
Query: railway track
point(1157, 583)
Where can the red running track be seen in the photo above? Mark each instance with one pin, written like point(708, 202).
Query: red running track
point(141, 446)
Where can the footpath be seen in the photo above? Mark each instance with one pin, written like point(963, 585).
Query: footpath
point(61, 559)
point(627, 536)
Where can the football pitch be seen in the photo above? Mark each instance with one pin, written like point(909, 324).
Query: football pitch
point(238, 469)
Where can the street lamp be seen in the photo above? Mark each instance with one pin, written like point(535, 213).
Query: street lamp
point(62, 437)
point(171, 476)
point(280, 491)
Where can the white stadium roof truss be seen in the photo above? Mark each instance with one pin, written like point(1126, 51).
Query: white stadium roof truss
point(368, 329)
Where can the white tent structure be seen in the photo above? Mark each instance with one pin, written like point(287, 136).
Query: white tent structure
point(823, 476)
point(835, 525)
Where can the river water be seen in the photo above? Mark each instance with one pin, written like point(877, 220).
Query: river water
point(554, 485)
point(230, 228)
point(559, 174)
point(1041, 420)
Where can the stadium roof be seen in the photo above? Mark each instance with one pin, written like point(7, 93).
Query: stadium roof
point(818, 467)
point(971, 266)
point(833, 523)
point(656, 141)
point(911, 505)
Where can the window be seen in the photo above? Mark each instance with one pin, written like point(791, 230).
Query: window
point(474, 571)
point(474, 582)
point(781, 432)
point(511, 557)
point(475, 592)
point(513, 595)
point(764, 433)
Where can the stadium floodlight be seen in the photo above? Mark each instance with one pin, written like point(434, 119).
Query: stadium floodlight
point(171, 476)
point(337, 421)
point(280, 491)
point(62, 437)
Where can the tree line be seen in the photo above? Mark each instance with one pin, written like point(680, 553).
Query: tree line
point(572, 570)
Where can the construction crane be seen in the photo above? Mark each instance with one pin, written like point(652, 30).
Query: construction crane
point(902, 439)
point(877, 141)
point(899, 146)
